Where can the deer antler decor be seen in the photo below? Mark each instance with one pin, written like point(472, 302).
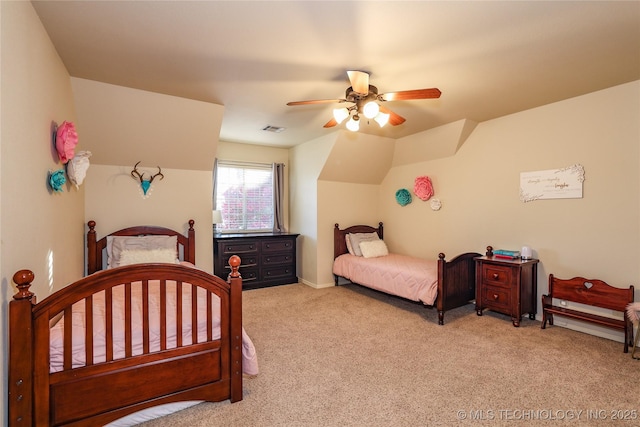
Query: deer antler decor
point(145, 184)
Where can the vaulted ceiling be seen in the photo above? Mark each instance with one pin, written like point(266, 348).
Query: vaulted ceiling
point(489, 59)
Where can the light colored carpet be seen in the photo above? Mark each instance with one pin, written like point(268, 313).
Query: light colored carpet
point(349, 356)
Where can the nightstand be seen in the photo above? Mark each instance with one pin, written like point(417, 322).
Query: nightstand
point(508, 286)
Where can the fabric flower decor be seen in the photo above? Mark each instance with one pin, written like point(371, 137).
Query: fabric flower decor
point(66, 141)
point(403, 197)
point(57, 180)
point(77, 167)
point(423, 187)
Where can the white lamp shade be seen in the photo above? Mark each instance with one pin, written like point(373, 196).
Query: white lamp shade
point(340, 114)
point(217, 217)
point(370, 110)
point(353, 125)
point(382, 119)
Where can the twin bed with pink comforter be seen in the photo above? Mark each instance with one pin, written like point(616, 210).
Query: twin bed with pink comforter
point(436, 283)
point(136, 340)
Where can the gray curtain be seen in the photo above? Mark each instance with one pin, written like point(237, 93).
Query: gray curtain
point(215, 181)
point(278, 195)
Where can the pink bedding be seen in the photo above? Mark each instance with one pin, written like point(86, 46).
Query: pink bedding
point(401, 275)
point(249, 365)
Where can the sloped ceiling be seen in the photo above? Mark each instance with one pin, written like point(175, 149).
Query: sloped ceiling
point(489, 59)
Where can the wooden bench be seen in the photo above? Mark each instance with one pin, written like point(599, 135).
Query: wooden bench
point(591, 292)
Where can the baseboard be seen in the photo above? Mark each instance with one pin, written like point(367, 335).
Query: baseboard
point(595, 330)
point(316, 285)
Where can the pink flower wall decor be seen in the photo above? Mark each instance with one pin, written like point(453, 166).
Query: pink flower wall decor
point(423, 188)
point(66, 141)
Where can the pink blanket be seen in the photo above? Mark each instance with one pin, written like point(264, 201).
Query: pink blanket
point(249, 365)
point(404, 276)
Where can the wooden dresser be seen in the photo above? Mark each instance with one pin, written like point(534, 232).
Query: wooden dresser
point(507, 286)
point(268, 259)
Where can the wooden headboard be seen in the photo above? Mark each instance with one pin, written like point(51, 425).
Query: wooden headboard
point(96, 249)
point(339, 243)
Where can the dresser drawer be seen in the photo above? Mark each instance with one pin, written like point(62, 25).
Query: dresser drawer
point(249, 274)
point(269, 273)
point(235, 248)
point(275, 259)
point(246, 260)
point(497, 298)
point(497, 275)
point(277, 245)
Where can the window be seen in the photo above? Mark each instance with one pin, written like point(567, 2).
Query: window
point(244, 195)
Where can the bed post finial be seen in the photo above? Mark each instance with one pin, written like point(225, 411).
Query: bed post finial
point(23, 279)
point(441, 256)
point(93, 264)
point(234, 262)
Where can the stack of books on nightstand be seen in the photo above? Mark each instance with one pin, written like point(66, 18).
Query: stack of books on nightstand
point(506, 254)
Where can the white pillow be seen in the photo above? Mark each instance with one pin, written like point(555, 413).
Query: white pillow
point(349, 247)
point(116, 244)
point(357, 238)
point(373, 248)
point(141, 256)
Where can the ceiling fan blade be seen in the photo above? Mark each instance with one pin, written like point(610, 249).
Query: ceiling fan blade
point(331, 123)
point(411, 94)
point(316, 101)
point(359, 81)
point(394, 119)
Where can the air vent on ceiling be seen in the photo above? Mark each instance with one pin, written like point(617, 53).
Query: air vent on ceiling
point(276, 129)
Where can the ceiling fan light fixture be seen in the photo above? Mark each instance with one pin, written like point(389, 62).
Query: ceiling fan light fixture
point(353, 124)
point(370, 109)
point(382, 119)
point(340, 114)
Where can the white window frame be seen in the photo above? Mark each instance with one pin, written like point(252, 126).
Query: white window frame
point(222, 186)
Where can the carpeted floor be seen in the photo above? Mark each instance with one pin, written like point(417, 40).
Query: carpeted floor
point(349, 356)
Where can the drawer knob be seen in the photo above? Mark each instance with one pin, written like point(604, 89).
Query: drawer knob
point(495, 276)
point(495, 297)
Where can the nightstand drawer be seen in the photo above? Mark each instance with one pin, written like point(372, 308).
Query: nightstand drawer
point(497, 275)
point(497, 298)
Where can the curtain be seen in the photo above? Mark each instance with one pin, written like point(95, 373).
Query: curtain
point(278, 195)
point(215, 174)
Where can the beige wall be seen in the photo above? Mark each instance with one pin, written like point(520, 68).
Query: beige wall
point(596, 236)
point(307, 161)
point(123, 126)
point(115, 200)
point(39, 230)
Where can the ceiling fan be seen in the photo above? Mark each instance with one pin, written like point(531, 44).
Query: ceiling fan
point(365, 98)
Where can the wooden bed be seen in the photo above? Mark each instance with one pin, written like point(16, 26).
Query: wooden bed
point(96, 393)
point(456, 278)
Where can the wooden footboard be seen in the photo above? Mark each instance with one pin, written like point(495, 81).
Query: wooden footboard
point(98, 392)
point(456, 282)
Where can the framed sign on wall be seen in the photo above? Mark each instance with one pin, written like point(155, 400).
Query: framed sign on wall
point(565, 183)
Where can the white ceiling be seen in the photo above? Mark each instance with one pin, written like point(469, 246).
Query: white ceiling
point(489, 59)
